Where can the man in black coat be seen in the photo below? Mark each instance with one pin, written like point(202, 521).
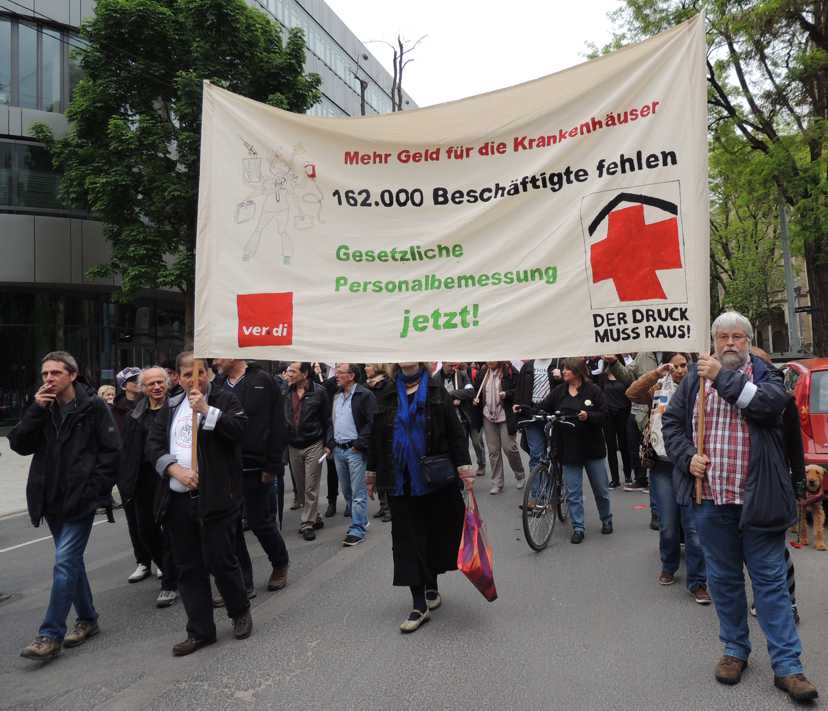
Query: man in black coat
point(201, 502)
point(75, 444)
point(458, 384)
point(262, 449)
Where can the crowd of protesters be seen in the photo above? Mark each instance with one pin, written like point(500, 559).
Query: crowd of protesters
point(404, 433)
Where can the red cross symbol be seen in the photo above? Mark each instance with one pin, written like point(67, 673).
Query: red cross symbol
point(632, 252)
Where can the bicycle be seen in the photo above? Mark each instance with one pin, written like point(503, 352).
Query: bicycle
point(544, 498)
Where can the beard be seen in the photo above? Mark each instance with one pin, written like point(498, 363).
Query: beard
point(732, 359)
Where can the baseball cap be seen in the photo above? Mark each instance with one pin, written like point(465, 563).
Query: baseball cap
point(127, 373)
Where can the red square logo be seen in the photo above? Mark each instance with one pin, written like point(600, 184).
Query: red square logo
point(265, 319)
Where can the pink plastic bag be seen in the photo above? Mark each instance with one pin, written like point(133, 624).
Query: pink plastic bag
point(475, 555)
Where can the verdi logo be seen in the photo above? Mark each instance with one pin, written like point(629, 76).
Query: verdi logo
point(265, 319)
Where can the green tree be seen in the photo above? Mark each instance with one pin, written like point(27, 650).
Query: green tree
point(768, 84)
point(131, 155)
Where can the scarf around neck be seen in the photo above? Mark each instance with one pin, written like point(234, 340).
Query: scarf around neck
point(409, 443)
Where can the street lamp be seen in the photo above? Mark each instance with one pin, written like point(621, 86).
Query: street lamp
point(363, 83)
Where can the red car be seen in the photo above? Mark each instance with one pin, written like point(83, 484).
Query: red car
point(808, 382)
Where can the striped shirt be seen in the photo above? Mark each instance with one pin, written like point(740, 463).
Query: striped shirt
point(727, 444)
point(540, 386)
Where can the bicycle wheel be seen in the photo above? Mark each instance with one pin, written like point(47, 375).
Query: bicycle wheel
point(540, 504)
point(563, 502)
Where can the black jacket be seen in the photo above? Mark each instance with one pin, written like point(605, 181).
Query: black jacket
point(363, 409)
point(134, 466)
point(264, 436)
point(584, 442)
point(526, 380)
point(314, 417)
point(508, 385)
point(444, 432)
point(769, 502)
point(463, 390)
point(121, 409)
point(219, 453)
point(75, 461)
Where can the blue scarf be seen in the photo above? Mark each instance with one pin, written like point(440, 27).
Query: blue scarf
point(409, 444)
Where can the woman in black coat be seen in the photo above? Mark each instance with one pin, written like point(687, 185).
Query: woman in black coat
point(582, 446)
point(415, 419)
point(614, 381)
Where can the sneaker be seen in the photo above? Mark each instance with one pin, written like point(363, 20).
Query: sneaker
point(496, 490)
point(797, 687)
point(433, 599)
point(414, 621)
point(639, 486)
point(577, 536)
point(606, 528)
point(352, 540)
point(666, 578)
point(81, 632)
point(166, 598)
point(41, 649)
point(520, 483)
point(701, 596)
point(729, 670)
point(142, 572)
point(614, 484)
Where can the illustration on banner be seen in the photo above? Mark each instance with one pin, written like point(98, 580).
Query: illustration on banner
point(282, 192)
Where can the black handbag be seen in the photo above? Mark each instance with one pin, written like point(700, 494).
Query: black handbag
point(438, 471)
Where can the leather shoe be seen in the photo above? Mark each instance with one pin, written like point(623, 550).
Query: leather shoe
point(606, 528)
point(331, 510)
point(278, 579)
point(729, 670)
point(190, 645)
point(797, 686)
point(577, 537)
point(243, 626)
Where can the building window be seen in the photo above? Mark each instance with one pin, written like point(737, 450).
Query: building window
point(37, 69)
point(27, 179)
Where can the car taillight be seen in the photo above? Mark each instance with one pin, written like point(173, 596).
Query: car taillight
point(805, 421)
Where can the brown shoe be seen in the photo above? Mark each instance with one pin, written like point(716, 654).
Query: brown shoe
point(278, 579)
point(82, 632)
point(41, 649)
point(190, 645)
point(797, 686)
point(666, 578)
point(729, 670)
point(243, 626)
point(701, 596)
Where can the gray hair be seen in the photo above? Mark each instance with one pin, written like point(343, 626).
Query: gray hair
point(732, 319)
point(154, 367)
point(62, 357)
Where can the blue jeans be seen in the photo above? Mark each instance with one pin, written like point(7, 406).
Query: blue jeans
point(70, 586)
point(674, 517)
point(727, 550)
point(536, 441)
point(350, 468)
point(596, 470)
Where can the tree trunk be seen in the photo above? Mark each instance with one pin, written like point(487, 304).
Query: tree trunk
point(816, 260)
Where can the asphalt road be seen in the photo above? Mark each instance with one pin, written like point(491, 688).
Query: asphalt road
point(575, 627)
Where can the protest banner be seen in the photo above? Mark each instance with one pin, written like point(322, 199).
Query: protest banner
point(567, 215)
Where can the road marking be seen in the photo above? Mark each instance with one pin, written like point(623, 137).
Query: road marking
point(38, 540)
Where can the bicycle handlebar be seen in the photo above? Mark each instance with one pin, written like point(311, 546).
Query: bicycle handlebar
point(541, 416)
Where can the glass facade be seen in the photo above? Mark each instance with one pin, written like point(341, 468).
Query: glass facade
point(37, 70)
point(104, 337)
point(27, 179)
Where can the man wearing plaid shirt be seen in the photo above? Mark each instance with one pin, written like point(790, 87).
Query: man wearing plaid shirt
point(747, 497)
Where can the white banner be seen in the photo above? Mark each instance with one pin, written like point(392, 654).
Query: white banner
point(564, 216)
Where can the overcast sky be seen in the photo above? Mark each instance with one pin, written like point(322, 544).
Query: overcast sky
point(475, 46)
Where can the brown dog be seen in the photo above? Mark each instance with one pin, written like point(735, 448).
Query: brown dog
point(814, 477)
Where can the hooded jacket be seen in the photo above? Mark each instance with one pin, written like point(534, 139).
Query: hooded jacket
point(768, 502)
point(75, 459)
point(220, 436)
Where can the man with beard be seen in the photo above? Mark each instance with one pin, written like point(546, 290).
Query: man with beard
point(747, 497)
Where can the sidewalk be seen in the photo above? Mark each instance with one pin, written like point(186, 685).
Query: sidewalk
point(14, 470)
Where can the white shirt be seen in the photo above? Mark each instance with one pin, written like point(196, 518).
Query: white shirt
point(181, 441)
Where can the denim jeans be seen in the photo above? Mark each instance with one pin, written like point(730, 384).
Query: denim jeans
point(536, 441)
point(596, 470)
point(70, 586)
point(727, 550)
point(350, 467)
point(673, 518)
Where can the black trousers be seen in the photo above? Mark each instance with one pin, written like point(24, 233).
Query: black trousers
point(333, 481)
point(204, 547)
point(615, 432)
point(139, 548)
point(261, 521)
point(149, 541)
